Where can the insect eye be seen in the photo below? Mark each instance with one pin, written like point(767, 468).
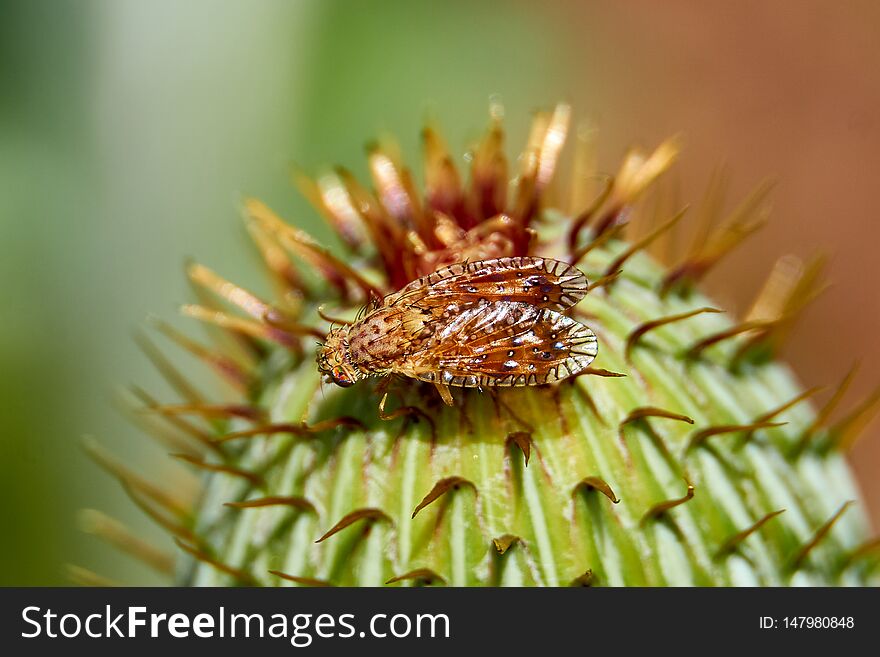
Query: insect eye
point(341, 378)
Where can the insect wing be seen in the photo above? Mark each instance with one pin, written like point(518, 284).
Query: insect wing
point(542, 282)
point(505, 344)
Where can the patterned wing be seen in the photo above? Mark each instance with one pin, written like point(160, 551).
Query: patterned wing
point(504, 344)
point(542, 282)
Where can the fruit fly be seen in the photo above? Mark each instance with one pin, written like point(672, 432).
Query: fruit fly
point(471, 324)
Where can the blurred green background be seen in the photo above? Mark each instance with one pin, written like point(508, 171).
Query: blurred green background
point(130, 131)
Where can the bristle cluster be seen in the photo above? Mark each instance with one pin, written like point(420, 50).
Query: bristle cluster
point(669, 463)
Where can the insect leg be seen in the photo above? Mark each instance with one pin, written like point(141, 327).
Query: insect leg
point(445, 393)
point(410, 411)
point(382, 388)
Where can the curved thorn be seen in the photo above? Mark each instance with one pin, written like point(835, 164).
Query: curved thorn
point(829, 407)
point(115, 533)
point(164, 366)
point(523, 440)
point(173, 527)
point(800, 556)
point(592, 371)
point(305, 581)
point(332, 320)
point(583, 219)
point(587, 398)
point(702, 435)
point(788, 290)
point(209, 280)
point(732, 544)
point(597, 243)
point(441, 488)
point(307, 247)
point(277, 320)
point(638, 332)
point(869, 547)
point(134, 482)
point(744, 327)
point(745, 220)
point(252, 477)
point(276, 260)
point(85, 577)
point(643, 243)
point(595, 483)
point(605, 281)
point(240, 575)
point(640, 170)
point(241, 325)
point(769, 415)
point(425, 575)
point(652, 411)
point(370, 514)
point(211, 410)
point(274, 500)
point(228, 369)
point(844, 434)
point(661, 508)
point(163, 434)
point(297, 429)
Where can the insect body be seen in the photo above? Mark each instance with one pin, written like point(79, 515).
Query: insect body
point(474, 324)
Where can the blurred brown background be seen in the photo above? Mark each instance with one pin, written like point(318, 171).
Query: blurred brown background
point(129, 132)
point(783, 89)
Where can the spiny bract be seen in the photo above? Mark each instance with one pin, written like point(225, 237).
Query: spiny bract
point(686, 455)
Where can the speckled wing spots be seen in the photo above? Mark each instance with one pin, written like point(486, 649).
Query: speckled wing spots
point(506, 344)
point(542, 282)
